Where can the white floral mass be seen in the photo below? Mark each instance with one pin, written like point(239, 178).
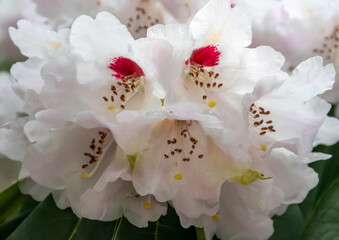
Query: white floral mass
point(121, 109)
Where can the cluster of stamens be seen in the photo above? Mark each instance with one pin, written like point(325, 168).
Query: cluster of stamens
point(97, 147)
point(127, 88)
point(141, 21)
point(204, 79)
point(329, 46)
point(177, 145)
point(264, 126)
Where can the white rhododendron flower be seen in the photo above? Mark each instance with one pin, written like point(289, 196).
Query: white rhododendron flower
point(115, 122)
point(299, 30)
point(10, 109)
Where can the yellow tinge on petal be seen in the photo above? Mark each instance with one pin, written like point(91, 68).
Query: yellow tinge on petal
point(215, 217)
point(131, 159)
point(249, 177)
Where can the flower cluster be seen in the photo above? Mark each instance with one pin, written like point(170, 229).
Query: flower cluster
point(163, 103)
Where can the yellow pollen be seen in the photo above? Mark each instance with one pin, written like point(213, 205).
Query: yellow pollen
point(263, 147)
point(187, 4)
point(215, 217)
point(147, 205)
point(212, 104)
point(99, 3)
point(335, 66)
point(111, 107)
point(249, 177)
point(84, 175)
point(178, 176)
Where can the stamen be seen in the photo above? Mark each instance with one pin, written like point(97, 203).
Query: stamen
point(148, 205)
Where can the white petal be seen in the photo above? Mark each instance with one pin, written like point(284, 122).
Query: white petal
point(328, 133)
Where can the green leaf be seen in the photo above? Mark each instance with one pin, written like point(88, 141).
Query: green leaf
point(290, 225)
point(166, 228)
point(317, 217)
point(14, 208)
point(324, 221)
point(47, 222)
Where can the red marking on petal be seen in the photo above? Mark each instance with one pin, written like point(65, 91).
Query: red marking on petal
point(124, 67)
point(206, 56)
point(232, 5)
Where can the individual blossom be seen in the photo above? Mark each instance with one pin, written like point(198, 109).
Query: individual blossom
point(182, 155)
point(69, 160)
point(107, 71)
point(210, 64)
point(299, 30)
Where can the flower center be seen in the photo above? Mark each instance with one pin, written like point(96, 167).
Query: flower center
point(144, 16)
point(97, 149)
point(200, 72)
point(329, 49)
point(259, 119)
point(130, 80)
point(182, 146)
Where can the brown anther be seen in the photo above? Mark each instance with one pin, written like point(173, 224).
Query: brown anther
point(208, 85)
point(186, 159)
point(256, 116)
point(196, 74)
point(169, 141)
point(191, 152)
point(214, 84)
point(216, 75)
point(196, 82)
point(84, 166)
point(191, 74)
point(105, 98)
point(220, 85)
point(166, 156)
point(192, 139)
point(172, 153)
point(92, 161)
point(271, 128)
point(122, 106)
point(179, 150)
point(136, 195)
point(270, 121)
point(264, 128)
point(201, 84)
point(101, 141)
point(201, 156)
point(254, 112)
point(193, 146)
point(263, 133)
point(210, 73)
point(204, 97)
point(112, 98)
